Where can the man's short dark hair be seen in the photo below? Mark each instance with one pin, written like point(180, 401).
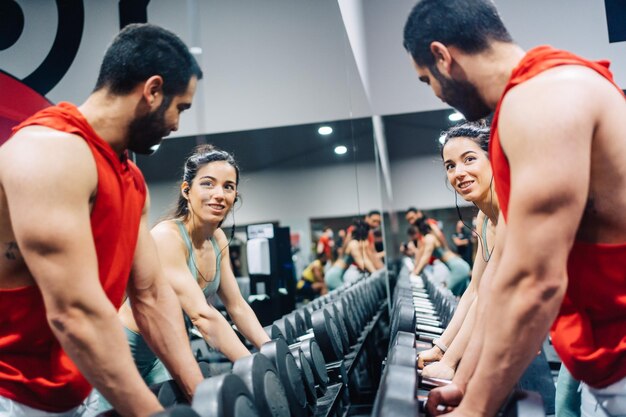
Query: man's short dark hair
point(373, 213)
point(142, 50)
point(411, 210)
point(469, 25)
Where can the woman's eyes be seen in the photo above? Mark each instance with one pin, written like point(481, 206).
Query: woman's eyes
point(211, 184)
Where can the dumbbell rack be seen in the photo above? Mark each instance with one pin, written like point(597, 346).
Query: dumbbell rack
point(421, 310)
point(347, 323)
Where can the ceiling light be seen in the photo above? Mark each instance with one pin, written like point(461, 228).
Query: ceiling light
point(442, 139)
point(195, 50)
point(456, 116)
point(340, 150)
point(325, 130)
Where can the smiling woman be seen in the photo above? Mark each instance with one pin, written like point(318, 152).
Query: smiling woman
point(193, 250)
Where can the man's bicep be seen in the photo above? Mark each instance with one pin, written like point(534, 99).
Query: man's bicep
point(549, 156)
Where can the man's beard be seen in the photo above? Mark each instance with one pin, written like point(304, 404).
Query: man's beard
point(463, 96)
point(147, 131)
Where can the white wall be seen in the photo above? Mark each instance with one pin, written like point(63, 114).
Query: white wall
point(576, 25)
point(266, 63)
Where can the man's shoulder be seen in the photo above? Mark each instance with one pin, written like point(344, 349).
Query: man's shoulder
point(42, 145)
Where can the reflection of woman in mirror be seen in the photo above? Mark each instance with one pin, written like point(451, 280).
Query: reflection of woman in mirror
point(356, 253)
point(467, 166)
point(194, 252)
point(459, 274)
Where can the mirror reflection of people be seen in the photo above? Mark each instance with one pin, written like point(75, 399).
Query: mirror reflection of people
point(462, 240)
point(311, 283)
point(413, 214)
point(194, 252)
point(459, 270)
point(325, 243)
point(357, 254)
point(466, 162)
point(557, 149)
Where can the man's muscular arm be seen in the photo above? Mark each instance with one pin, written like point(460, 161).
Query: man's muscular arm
point(48, 178)
point(548, 148)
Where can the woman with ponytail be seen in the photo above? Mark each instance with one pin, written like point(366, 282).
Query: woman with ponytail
point(466, 162)
point(193, 250)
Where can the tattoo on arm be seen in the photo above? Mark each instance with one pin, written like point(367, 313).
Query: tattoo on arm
point(11, 251)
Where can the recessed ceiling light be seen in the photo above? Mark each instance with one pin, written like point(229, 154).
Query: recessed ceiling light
point(340, 150)
point(442, 139)
point(456, 116)
point(325, 130)
point(195, 50)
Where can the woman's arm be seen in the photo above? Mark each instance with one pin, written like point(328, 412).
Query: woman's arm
point(210, 322)
point(423, 256)
point(359, 251)
point(448, 337)
point(238, 309)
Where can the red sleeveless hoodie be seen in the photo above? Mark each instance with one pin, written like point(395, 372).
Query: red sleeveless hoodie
point(34, 370)
point(589, 332)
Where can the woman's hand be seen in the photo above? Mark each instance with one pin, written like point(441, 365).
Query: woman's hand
point(433, 354)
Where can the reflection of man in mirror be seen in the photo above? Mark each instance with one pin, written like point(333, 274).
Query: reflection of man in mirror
point(325, 244)
point(373, 220)
point(413, 214)
point(557, 150)
point(462, 239)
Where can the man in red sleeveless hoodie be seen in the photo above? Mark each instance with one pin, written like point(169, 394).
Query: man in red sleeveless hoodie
point(557, 151)
point(75, 239)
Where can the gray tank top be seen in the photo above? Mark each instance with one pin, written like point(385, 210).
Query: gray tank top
point(213, 285)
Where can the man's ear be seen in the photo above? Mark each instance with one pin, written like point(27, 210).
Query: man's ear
point(153, 91)
point(442, 56)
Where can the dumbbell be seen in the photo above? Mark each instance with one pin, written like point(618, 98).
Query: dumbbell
point(298, 388)
point(261, 378)
point(177, 411)
point(222, 396)
point(396, 393)
point(324, 330)
point(310, 351)
point(168, 393)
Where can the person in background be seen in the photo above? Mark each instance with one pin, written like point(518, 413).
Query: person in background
point(326, 244)
point(311, 284)
point(413, 214)
point(462, 240)
point(357, 255)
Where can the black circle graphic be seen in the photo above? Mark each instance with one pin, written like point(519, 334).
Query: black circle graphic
point(11, 23)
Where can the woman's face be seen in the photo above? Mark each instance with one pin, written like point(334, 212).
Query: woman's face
point(213, 191)
point(468, 169)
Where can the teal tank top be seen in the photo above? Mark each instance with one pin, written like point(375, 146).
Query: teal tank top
point(486, 254)
point(438, 252)
point(213, 285)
